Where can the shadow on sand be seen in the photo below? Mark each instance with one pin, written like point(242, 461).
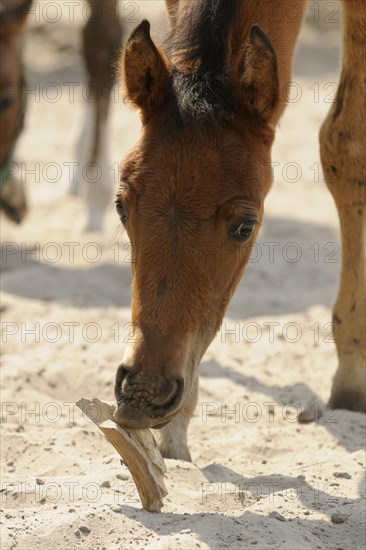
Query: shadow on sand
point(273, 283)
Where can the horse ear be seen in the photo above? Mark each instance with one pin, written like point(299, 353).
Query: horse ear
point(144, 71)
point(258, 75)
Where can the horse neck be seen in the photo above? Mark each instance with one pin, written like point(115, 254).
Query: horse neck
point(281, 21)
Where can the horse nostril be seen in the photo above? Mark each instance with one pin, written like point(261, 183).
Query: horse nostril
point(129, 386)
point(155, 394)
point(120, 375)
point(167, 393)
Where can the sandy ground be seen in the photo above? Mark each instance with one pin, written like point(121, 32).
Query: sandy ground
point(258, 478)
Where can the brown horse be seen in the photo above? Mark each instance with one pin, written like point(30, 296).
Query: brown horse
point(193, 188)
point(101, 44)
point(12, 18)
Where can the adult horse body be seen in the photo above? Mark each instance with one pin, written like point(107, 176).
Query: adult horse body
point(193, 187)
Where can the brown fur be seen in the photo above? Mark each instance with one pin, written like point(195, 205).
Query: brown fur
point(10, 83)
point(196, 170)
point(144, 83)
point(102, 37)
point(186, 183)
point(343, 146)
point(12, 18)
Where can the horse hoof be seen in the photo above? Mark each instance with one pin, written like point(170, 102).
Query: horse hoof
point(311, 413)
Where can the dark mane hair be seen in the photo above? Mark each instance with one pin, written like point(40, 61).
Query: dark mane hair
point(202, 40)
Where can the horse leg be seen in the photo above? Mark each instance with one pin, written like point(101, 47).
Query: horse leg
point(13, 15)
point(172, 439)
point(342, 144)
point(101, 41)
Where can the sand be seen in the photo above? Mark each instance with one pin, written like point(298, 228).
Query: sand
point(258, 479)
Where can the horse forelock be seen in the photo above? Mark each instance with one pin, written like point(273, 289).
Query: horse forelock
point(198, 49)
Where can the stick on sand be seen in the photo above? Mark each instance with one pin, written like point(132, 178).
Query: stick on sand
point(138, 450)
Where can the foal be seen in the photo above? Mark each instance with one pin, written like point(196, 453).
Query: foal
point(193, 187)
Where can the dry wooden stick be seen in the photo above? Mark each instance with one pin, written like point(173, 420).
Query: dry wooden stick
point(138, 450)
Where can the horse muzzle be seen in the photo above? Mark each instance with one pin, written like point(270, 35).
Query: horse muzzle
point(146, 400)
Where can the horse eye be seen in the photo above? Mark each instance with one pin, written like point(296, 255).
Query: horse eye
point(243, 231)
point(121, 211)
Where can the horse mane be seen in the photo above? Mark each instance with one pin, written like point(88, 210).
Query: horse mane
point(201, 41)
